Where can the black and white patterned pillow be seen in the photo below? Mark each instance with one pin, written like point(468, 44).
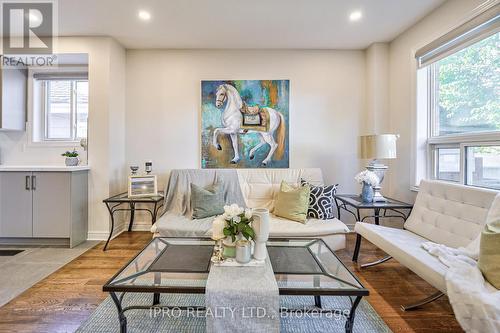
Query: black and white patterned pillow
point(321, 201)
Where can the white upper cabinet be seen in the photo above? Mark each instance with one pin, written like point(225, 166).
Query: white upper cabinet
point(13, 83)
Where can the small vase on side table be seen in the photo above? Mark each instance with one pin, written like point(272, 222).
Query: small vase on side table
point(367, 193)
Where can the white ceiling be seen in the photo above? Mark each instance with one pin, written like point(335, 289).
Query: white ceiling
point(311, 24)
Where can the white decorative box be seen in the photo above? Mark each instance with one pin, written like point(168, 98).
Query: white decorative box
point(231, 262)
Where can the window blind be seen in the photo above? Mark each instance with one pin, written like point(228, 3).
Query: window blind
point(61, 76)
point(479, 27)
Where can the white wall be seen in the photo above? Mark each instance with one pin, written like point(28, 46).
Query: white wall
point(327, 90)
point(402, 84)
point(116, 130)
point(377, 89)
point(106, 154)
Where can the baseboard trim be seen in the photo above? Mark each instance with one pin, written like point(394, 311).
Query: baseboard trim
point(103, 235)
point(35, 241)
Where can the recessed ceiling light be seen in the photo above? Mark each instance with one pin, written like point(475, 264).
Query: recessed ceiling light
point(355, 16)
point(144, 15)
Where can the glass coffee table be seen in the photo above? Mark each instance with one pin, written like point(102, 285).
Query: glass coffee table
point(302, 267)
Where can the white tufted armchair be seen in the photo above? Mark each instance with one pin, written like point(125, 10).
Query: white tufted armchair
point(443, 213)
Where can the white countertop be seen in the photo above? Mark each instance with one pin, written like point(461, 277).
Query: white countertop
point(40, 168)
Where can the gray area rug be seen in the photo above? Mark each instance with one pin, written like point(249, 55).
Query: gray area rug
point(105, 318)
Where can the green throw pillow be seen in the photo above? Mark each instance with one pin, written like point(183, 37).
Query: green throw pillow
point(208, 201)
point(292, 202)
point(489, 253)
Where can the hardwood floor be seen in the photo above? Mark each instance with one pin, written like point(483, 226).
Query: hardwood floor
point(392, 285)
point(62, 301)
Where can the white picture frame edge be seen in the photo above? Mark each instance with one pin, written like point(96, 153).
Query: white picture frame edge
point(130, 195)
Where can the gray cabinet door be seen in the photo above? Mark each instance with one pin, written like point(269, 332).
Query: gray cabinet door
point(51, 204)
point(15, 204)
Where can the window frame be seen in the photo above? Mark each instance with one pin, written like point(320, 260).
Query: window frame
point(461, 141)
point(434, 161)
point(73, 112)
point(464, 175)
point(481, 23)
point(433, 118)
point(463, 160)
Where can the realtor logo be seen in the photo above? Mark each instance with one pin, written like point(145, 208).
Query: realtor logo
point(27, 27)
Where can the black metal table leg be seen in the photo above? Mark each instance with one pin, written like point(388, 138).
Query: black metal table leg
point(156, 296)
point(155, 212)
point(350, 319)
point(317, 301)
point(111, 213)
point(356, 248)
point(338, 208)
point(121, 316)
point(358, 214)
point(377, 216)
point(132, 215)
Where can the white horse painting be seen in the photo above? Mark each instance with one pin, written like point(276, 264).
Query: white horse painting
point(232, 118)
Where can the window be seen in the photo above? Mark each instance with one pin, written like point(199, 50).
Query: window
point(458, 92)
point(447, 164)
point(482, 167)
point(65, 109)
point(467, 89)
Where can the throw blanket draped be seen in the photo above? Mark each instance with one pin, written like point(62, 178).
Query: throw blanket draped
point(475, 302)
point(177, 210)
point(178, 189)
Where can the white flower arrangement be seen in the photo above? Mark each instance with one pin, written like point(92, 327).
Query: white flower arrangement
point(232, 211)
point(237, 221)
point(368, 177)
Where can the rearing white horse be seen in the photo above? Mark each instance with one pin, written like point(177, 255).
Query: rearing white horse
point(232, 121)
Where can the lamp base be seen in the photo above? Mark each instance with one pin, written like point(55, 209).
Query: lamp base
point(377, 196)
point(379, 169)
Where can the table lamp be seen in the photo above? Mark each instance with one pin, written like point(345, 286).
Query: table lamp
point(378, 147)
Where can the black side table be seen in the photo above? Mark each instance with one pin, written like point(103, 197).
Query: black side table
point(113, 204)
point(352, 204)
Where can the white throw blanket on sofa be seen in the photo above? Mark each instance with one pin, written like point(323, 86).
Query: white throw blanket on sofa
point(176, 220)
point(178, 189)
point(476, 303)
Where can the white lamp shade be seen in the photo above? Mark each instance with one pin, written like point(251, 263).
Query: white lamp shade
point(381, 146)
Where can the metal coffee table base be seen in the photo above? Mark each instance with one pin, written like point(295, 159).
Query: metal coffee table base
point(123, 319)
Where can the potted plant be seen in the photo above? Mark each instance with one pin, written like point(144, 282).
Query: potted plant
point(369, 180)
point(237, 225)
point(71, 158)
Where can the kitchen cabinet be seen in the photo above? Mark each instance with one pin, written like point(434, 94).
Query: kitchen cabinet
point(15, 205)
point(43, 207)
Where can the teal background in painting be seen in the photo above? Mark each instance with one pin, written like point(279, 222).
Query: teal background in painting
point(253, 92)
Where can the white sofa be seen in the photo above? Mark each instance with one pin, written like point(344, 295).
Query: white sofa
point(443, 213)
point(259, 188)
